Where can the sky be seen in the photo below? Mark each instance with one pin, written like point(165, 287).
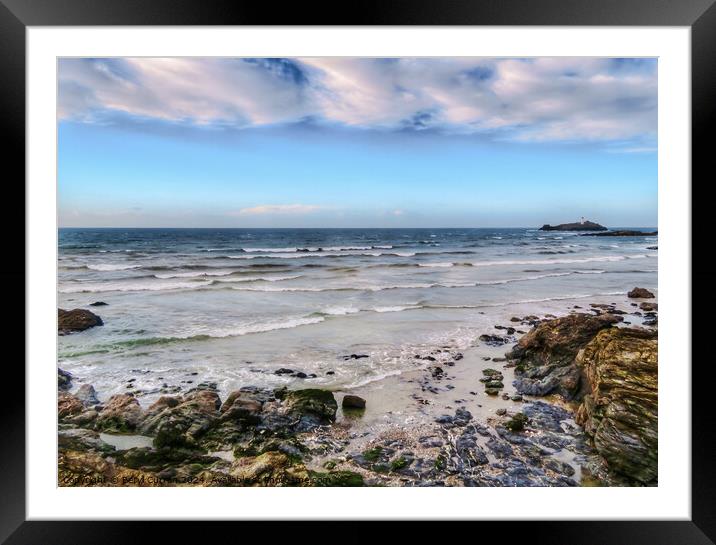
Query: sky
point(356, 142)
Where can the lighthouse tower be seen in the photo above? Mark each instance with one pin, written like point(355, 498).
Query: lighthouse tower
point(582, 220)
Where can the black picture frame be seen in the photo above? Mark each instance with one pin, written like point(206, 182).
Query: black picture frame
point(699, 15)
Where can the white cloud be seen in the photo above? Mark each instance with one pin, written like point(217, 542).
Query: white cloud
point(278, 209)
point(524, 99)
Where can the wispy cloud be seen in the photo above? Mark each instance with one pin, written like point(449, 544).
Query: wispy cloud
point(542, 99)
point(265, 209)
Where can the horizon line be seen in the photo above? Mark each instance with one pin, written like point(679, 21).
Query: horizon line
point(390, 227)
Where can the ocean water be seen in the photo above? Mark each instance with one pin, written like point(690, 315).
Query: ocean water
point(233, 305)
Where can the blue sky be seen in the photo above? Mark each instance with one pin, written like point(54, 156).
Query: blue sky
point(335, 142)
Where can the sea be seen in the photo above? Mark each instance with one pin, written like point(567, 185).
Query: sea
point(345, 307)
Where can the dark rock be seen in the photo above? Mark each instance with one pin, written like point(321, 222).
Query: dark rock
point(79, 319)
point(462, 418)
point(283, 371)
point(649, 307)
point(517, 422)
point(355, 356)
point(546, 416)
point(502, 449)
point(64, 380)
point(318, 405)
point(640, 293)
point(353, 402)
point(495, 340)
point(98, 304)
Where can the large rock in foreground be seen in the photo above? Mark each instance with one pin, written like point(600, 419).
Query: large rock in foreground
point(620, 409)
point(545, 357)
point(79, 319)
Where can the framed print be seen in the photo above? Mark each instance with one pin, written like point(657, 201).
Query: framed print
point(406, 266)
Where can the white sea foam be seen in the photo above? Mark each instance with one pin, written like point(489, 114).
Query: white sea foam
point(112, 266)
point(606, 258)
point(194, 274)
point(300, 255)
point(255, 327)
point(339, 311)
point(97, 287)
point(259, 278)
point(397, 308)
point(437, 265)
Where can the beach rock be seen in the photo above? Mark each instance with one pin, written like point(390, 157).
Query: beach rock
point(545, 356)
point(82, 468)
point(335, 478)
point(79, 439)
point(620, 412)
point(182, 423)
point(495, 340)
point(353, 402)
point(269, 469)
point(502, 449)
point(546, 416)
point(577, 226)
point(242, 404)
point(462, 418)
point(314, 405)
point(68, 405)
point(87, 395)
point(640, 293)
point(649, 307)
point(85, 419)
point(79, 319)
point(283, 371)
point(98, 304)
point(121, 414)
point(64, 380)
point(517, 422)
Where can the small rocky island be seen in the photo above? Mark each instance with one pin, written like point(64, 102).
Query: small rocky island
point(583, 225)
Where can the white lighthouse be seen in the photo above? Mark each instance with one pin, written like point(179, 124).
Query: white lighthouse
point(582, 220)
